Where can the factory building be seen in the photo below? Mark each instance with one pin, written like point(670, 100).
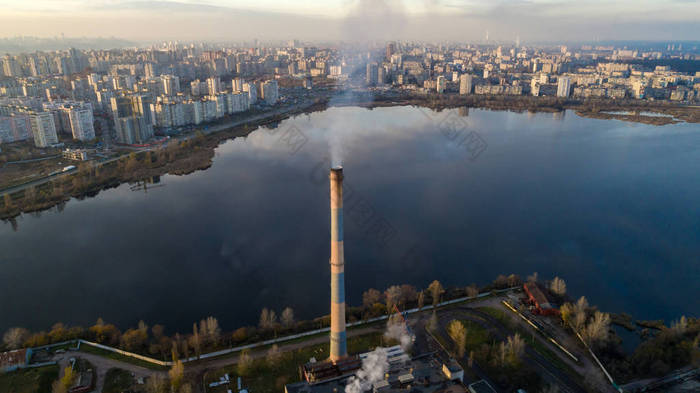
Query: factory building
point(421, 374)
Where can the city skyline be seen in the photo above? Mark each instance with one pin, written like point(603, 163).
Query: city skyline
point(354, 20)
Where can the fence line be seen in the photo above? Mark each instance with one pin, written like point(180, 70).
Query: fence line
point(167, 363)
point(551, 339)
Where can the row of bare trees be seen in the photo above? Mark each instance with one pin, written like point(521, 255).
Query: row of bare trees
point(591, 324)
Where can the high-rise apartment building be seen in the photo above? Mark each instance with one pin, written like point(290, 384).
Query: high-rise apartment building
point(213, 86)
point(371, 77)
point(171, 85)
point(466, 82)
point(270, 92)
point(82, 123)
point(441, 84)
point(43, 129)
point(563, 86)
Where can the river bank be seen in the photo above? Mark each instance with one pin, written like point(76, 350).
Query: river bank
point(191, 152)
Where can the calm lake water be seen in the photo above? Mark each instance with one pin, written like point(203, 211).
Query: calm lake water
point(611, 207)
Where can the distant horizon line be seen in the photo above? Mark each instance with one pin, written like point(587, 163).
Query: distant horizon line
point(268, 40)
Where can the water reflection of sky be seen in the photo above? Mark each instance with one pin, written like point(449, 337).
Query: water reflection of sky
point(607, 205)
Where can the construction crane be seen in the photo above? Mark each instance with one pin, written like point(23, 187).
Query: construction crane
point(405, 323)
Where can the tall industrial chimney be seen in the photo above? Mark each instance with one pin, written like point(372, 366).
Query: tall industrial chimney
point(338, 337)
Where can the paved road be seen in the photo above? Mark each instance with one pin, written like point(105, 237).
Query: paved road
point(551, 373)
point(200, 368)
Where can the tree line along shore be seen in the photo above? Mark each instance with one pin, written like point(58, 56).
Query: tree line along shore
point(661, 349)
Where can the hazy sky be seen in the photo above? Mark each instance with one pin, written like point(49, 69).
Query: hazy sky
point(553, 20)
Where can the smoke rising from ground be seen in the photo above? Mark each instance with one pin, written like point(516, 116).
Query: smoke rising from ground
point(374, 366)
point(396, 329)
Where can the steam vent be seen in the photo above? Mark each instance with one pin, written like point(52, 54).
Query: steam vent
point(338, 336)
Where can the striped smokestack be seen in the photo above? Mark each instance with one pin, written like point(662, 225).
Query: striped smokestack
point(338, 337)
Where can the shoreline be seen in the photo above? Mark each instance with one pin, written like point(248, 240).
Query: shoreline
point(194, 150)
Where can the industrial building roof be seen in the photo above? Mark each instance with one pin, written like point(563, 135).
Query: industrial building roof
point(538, 296)
point(13, 358)
point(481, 387)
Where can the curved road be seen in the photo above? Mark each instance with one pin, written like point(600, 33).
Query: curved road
point(552, 373)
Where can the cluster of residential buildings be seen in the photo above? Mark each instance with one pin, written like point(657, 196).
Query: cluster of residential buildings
point(587, 71)
point(136, 93)
point(45, 96)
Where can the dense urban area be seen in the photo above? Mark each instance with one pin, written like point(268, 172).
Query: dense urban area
point(73, 122)
point(60, 110)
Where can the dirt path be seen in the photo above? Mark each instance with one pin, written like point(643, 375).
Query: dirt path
point(101, 365)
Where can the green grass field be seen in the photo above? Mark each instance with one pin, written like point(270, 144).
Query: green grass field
point(33, 380)
point(476, 335)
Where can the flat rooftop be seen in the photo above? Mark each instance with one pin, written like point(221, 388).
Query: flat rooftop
point(481, 387)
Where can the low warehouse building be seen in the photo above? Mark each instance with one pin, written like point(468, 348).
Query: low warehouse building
point(539, 300)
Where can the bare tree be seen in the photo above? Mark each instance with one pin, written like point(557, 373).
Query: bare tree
point(579, 314)
point(245, 363)
point(393, 296)
point(513, 280)
point(196, 341)
point(213, 332)
point(566, 311)
point(268, 319)
point(421, 300)
point(370, 297)
point(581, 305)
point(177, 375)
point(512, 349)
point(15, 337)
point(596, 332)
point(273, 355)
point(458, 333)
point(679, 327)
point(436, 290)
point(558, 286)
point(186, 349)
point(472, 290)
point(533, 277)
point(287, 317)
point(174, 352)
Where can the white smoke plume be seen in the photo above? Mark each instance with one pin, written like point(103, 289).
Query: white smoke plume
point(374, 367)
point(365, 22)
point(335, 147)
point(396, 329)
